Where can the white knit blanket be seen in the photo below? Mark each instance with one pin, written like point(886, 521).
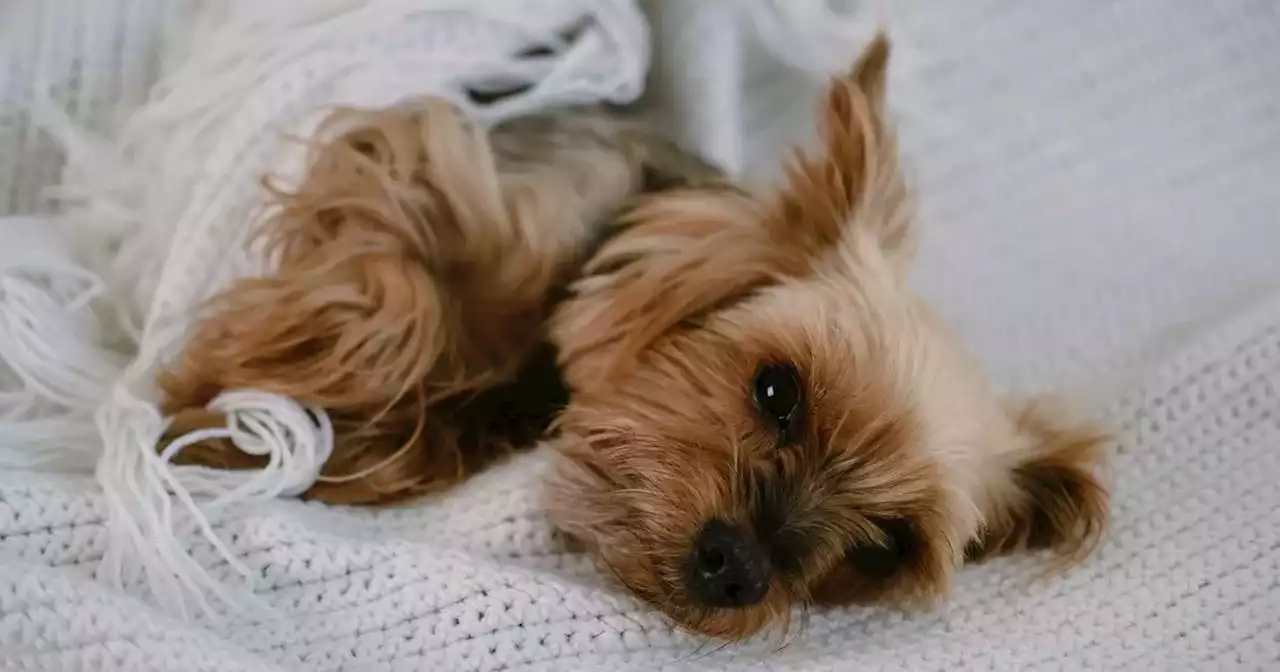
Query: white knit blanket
point(1101, 213)
point(476, 580)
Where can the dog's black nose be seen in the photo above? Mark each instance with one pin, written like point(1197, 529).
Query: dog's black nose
point(727, 568)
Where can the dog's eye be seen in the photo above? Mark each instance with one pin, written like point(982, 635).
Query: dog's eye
point(882, 560)
point(778, 397)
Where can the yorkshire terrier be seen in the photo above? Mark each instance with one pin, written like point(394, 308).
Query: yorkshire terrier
point(749, 407)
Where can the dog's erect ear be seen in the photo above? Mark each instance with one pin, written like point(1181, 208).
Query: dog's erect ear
point(849, 193)
point(1054, 498)
point(685, 253)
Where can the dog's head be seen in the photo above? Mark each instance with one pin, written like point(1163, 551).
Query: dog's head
point(765, 416)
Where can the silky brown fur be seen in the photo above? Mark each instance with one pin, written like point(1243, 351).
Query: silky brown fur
point(416, 263)
point(433, 279)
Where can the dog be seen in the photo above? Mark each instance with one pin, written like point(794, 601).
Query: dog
point(755, 412)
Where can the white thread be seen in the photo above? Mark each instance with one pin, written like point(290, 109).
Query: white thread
point(262, 424)
point(51, 369)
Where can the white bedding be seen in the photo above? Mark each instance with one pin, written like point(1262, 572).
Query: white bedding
point(1097, 185)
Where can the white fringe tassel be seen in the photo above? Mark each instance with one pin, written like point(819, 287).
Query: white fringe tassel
point(53, 372)
point(140, 484)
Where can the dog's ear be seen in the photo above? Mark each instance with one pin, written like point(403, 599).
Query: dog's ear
point(849, 194)
point(674, 257)
point(685, 253)
point(1053, 497)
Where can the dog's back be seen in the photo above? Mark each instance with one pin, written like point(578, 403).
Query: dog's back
point(417, 262)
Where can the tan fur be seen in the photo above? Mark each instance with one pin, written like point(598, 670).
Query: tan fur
point(660, 340)
point(419, 263)
point(415, 266)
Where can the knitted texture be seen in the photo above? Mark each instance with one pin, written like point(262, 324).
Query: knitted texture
point(475, 580)
point(1096, 186)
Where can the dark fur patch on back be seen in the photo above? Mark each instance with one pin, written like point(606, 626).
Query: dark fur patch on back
point(519, 412)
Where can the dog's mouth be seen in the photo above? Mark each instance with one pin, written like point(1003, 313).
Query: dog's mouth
point(744, 616)
point(719, 587)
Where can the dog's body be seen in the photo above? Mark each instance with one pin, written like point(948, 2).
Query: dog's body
point(417, 265)
point(760, 412)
